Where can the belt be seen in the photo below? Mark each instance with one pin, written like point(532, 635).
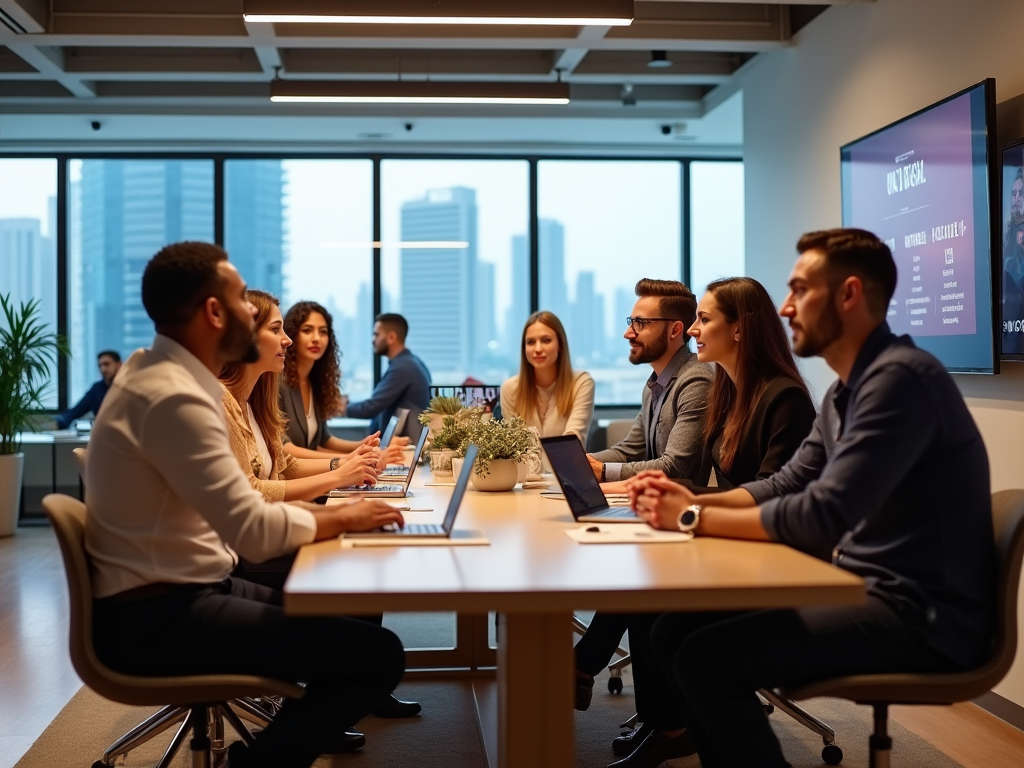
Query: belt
point(156, 589)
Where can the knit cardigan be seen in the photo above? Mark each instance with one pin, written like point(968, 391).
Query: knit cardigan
point(243, 443)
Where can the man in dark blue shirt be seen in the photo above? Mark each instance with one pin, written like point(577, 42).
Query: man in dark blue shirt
point(406, 383)
point(109, 363)
point(892, 484)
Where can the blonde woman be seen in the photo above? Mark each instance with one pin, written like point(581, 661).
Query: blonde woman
point(548, 393)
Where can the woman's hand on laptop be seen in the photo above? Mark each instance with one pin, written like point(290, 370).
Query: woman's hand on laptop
point(393, 454)
point(356, 470)
point(363, 515)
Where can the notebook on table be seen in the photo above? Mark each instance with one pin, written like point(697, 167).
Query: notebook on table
point(388, 490)
point(429, 530)
point(583, 493)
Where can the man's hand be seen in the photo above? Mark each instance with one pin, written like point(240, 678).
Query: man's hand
point(596, 465)
point(364, 515)
point(659, 500)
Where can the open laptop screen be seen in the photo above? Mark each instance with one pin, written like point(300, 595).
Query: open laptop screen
point(460, 489)
point(569, 461)
point(389, 432)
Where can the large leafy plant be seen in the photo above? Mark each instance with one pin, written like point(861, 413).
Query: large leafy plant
point(505, 439)
point(27, 349)
point(456, 430)
point(444, 406)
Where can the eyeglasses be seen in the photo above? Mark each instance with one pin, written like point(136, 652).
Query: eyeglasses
point(639, 323)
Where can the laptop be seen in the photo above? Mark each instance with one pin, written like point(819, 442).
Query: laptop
point(397, 490)
point(582, 491)
point(430, 530)
point(402, 414)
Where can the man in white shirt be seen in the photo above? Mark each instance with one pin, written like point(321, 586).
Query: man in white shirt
point(169, 507)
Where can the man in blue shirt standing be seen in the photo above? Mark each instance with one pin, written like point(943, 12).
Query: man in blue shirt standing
point(892, 484)
point(406, 384)
point(109, 363)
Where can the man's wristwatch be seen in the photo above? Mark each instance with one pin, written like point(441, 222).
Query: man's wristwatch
point(689, 518)
point(604, 469)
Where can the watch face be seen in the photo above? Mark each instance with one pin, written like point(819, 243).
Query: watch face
point(689, 517)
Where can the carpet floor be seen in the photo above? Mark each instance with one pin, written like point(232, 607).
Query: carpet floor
point(446, 736)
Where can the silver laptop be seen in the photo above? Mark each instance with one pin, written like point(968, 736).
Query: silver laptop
point(402, 414)
point(582, 491)
point(430, 530)
point(393, 490)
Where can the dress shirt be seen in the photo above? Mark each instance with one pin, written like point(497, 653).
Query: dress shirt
point(406, 384)
point(167, 500)
point(669, 436)
point(90, 403)
point(554, 422)
point(893, 484)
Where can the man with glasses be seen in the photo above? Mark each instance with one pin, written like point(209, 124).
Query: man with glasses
point(667, 432)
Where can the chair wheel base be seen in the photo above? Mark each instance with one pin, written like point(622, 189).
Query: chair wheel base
point(831, 755)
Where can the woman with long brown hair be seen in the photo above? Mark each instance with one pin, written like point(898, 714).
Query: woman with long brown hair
point(255, 422)
point(759, 411)
point(310, 390)
point(548, 393)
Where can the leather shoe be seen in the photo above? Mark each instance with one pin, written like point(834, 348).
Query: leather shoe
point(584, 691)
point(349, 741)
point(393, 707)
point(656, 749)
point(627, 742)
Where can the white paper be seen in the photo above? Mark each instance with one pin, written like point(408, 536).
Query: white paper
point(624, 533)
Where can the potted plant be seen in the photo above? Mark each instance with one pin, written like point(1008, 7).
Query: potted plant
point(452, 438)
point(439, 407)
point(26, 353)
point(501, 446)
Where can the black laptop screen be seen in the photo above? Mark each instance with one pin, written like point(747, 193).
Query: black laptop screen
point(569, 461)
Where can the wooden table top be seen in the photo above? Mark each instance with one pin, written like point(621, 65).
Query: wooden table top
point(531, 566)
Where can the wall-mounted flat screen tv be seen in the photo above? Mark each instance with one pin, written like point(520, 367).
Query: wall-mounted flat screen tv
point(1011, 239)
point(925, 185)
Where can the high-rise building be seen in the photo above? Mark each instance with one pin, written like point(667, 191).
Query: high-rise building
point(586, 333)
point(519, 307)
point(439, 284)
point(254, 222)
point(28, 265)
point(485, 328)
point(554, 291)
point(129, 210)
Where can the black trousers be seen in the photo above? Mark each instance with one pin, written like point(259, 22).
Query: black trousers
point(717, 661)
point(236, 627)
point(655, 703)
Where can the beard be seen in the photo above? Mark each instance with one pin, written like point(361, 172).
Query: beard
point(238, 344)
point(651, 351)
point(828, 328)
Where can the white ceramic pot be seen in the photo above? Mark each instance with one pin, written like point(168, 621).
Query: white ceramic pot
point(441, 462)
point(500, 476)
point(523, 468)
point(457, 467)
point(12, 468)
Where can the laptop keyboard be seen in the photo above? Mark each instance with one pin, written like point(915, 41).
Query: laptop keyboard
point(379, 487)
point(394, 469)
point(419, 529)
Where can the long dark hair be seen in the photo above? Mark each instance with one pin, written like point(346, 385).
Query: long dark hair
point(763, 354)
point(263, 398)
point(325, 376)
point(526, 394)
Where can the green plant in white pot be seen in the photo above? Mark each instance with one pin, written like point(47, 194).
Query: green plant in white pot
point(501, 446)
point(452, 438)
point(433, 415)
point(27, 350)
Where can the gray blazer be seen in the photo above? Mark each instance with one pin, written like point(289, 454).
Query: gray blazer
point(679, 437)
point(295, 430)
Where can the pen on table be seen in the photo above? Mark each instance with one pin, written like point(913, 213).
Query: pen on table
point(410, 509)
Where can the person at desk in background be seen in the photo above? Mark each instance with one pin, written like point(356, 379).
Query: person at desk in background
point(892, 484)
point(255, 422)
point(405, 384)
point(310, 389)
point(109, 363)
point(667, 432)
point(255, 425)
point(548, 393)
point(759, 412)
point(169, 507)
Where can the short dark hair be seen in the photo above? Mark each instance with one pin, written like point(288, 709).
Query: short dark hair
point(856, 252)
point(179, 279)
point(394, 322)
point(675, 299)
point(115, 356)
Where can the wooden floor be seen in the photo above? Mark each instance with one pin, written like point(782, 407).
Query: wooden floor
point(36, 678)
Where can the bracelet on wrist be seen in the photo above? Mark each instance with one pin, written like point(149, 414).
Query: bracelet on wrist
point(604, 473)
point(335, 463)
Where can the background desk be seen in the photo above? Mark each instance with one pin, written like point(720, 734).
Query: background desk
point(535, 576)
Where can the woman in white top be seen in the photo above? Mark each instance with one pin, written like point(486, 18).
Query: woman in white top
point(255, 422)
point(547, 393)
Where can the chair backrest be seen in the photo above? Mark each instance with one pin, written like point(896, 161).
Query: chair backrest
point(617, 431)
point(79, 454)
point(1008, 525)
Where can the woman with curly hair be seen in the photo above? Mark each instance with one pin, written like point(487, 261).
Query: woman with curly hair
point(310, 391)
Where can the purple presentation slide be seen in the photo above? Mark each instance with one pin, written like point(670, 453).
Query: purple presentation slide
point(912, 185)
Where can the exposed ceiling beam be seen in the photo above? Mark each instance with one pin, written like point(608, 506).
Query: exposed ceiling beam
point(24, 16)
point(267, 53)
point(568, 59)
point(50, 62)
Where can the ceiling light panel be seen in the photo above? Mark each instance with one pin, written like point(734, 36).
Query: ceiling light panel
point(297, 91)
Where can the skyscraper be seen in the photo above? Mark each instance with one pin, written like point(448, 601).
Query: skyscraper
point(254, 222)
point(519, 307)
point(554, 292)
point(439, 284)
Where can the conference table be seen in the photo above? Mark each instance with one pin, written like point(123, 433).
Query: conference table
point(535, 577)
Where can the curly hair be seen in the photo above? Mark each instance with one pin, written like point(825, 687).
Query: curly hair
point(325, 377)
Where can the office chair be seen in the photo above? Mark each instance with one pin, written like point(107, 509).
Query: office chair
point(197, 704)
point(879, 691)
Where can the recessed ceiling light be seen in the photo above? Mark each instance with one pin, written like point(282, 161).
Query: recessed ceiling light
point(659, 60)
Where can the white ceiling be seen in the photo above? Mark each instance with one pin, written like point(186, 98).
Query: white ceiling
point(193, 73)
